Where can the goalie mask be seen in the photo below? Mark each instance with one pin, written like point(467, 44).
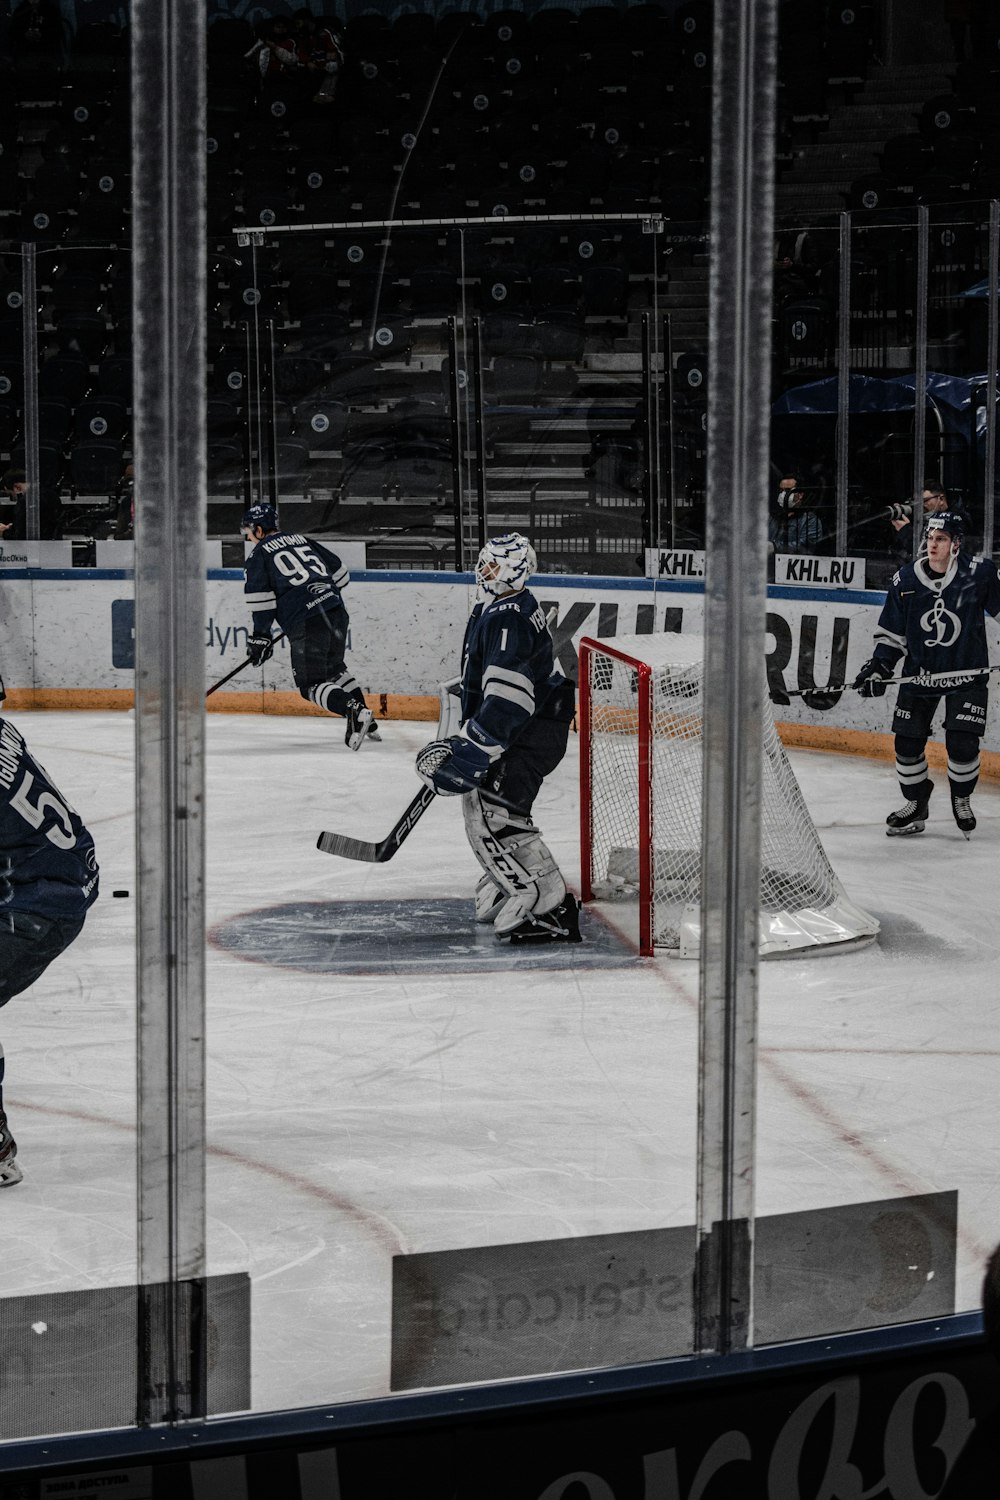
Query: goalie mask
point(505, 564)
point(264, 516)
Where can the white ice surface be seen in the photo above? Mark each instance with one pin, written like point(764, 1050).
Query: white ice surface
point(354, 1117)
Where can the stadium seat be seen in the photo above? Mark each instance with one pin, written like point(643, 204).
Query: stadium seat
point(100, 418)
point(321, 423)
point(95, 468)
point(54, 421)
point(114, 378)
point(65, 377)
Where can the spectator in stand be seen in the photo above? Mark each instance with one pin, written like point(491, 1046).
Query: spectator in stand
point(125, 515)
point(792, 525)
point(14, 486)
point(320, 50)
point(36, 35)
point(14, 489)
point(273, 55)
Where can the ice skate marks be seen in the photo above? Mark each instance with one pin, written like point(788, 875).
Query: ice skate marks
point(432, 935)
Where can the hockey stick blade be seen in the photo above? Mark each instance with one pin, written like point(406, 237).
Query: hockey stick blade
point(348, 848)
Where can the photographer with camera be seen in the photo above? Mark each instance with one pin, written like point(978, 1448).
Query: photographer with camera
point(935, 501)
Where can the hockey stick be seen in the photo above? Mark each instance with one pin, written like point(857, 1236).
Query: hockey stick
point(922, 679)
point(223, 680)
point(348, 848)
point(377, 854)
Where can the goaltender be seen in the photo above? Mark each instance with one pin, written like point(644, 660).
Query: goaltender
point(933, 618)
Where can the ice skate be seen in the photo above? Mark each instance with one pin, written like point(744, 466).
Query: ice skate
point(359, 721)
point(10, 1172)
point(910, 818)
point(963, 814)
point(561, 925)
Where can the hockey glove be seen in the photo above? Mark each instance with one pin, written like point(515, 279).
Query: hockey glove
point(260, 648)
point(453, 766)
point(871, 680)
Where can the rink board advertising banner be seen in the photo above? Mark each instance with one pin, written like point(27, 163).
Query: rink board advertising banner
point(501, 1312)
point(889, 1424)
point(49, 1342)
point(406, 635)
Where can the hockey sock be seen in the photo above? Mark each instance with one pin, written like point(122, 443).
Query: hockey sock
point(911, 769)
point(335, 696)
point(963, 763)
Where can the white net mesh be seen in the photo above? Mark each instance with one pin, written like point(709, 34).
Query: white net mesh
point(802, 902)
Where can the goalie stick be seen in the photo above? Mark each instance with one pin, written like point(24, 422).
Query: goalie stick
point(348, 848)
point(377, 854)
point(922, 679)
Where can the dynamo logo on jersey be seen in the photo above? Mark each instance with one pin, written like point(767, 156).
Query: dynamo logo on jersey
point(946, 626)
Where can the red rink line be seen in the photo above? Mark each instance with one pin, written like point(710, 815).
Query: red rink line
point(812, 1104)
point(385, 1235)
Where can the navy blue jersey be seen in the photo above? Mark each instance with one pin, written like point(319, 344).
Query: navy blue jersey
point(507, 669)
point(290, 578)
point(936, 620)
point(47, 861)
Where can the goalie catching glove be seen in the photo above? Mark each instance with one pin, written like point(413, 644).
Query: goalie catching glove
point(260, 648)
point(871, 681)
point(457, 765)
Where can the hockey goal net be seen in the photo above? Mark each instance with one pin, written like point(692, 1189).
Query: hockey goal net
point(641, 776)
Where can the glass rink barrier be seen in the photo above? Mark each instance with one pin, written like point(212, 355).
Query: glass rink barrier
point(305, 1148)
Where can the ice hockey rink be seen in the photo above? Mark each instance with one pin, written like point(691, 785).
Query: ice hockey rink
point(385, 1079)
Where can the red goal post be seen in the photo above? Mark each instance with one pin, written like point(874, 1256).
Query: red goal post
point(641, 745)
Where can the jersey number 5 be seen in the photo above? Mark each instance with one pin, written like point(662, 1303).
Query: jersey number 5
point(297, 563)
point(34, 813)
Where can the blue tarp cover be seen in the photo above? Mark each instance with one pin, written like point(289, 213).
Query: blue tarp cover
point(867, 393)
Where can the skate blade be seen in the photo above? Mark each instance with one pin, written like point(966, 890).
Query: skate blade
point(357, 739)
point(902, 833)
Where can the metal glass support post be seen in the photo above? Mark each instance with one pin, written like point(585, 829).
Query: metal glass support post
point(168, 146)
point(482, 520)
point(648, 483)
point(29, 400)
point(990, 455)
point(740, 286)
point(920, 373)
point(843, 383)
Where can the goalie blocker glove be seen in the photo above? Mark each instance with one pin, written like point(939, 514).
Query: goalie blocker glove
point(459, 764)
point(260, 648)
point(871, 681)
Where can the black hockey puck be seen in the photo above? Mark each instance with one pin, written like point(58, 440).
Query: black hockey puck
point(119, 893)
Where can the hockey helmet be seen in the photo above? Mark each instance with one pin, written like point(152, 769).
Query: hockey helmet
point(505, 564)
point(264, 516)
point(949, 521)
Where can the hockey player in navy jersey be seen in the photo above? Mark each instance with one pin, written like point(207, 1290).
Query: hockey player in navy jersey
point(299, 582)
point(516, 712)
point(48, 882)
point(933, 619)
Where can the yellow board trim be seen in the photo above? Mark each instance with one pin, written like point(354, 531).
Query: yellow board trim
point(383, 705)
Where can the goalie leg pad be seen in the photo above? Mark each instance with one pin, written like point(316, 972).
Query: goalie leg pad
point(510, 850)
point(489, 899)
